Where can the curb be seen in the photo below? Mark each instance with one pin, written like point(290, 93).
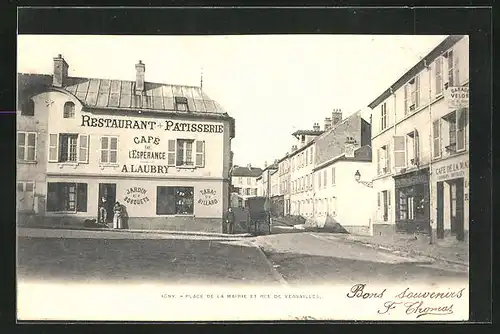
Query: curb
point(411, 252)
point(273, 270)
point(206, 234)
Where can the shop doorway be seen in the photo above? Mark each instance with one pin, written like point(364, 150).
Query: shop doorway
point(108, 191)
point(440, 211)
point(457, 208)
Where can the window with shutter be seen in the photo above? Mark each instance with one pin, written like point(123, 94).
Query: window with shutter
point(457, 71)
point(26, 146)
point(436, 137)
point(416, 147)
point(53, 147)
point(387, 158)
point(109, 150)
point(378, 199)
point(451, 81)
point(171, 152)
point(417, 91)
point(200, 154)
point(399, 152)
point(407, 105)
point(461, 125)
point(83, 152)
point(379, 160)
point(439, 75)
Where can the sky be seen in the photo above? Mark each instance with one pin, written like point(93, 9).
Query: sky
point(272, 85)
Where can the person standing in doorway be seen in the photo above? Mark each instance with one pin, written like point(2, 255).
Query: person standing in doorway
point(103, 211)
point(230, 220)
point(117, 218)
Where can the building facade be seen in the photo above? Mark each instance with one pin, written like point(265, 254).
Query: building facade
point(284, 182)
point(420, 140)
point(244, 181)
point(162, 151)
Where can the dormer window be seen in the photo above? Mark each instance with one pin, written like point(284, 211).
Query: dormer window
point(302, 139)
point(28, 108)
point(181, 103)
point(69, 110)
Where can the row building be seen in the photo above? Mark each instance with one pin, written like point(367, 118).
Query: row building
point(162, 151)
point(420, 137)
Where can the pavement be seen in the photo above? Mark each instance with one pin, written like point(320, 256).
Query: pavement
point(299, 258)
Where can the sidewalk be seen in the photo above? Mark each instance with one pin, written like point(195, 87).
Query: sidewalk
point(452, 251)
point(193, 233)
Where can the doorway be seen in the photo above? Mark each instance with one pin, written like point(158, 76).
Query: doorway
point(457, 208)
point(108, 191)
point(385, 203)
point(440, 211)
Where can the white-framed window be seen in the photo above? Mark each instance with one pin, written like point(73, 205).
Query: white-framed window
point(187, 153)
point(383, 116)
point(436, 137)
point(439, 75)
point(69, 110)
point(399, 151)
point(412, 95)
point(109, 150)
point(383, 162)
point(412, 148)
point(26, 146)
point(457, 121)
point(69, 147)
point(333, 175)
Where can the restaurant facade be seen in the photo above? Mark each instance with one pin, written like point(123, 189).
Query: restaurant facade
point(161, 151)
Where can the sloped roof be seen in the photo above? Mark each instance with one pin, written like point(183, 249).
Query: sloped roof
point(121, 94)
point(307, 132)
point(361, 154)
point(246, 172)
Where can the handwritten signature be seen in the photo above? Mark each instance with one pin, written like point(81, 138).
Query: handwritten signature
point(418, 308)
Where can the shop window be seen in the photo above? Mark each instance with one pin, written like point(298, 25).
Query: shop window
point(26, 146)
point(181, 103)
point(187, 153)
point(28, 108)
point(412, 204)
point(69, 110)
point(174, 200)
point(66, 197)
point(66, 147)
point(109, 150)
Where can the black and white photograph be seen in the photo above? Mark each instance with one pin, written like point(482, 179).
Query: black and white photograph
point(242, 177)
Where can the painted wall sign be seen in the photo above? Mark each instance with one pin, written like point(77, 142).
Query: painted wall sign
point(453, 170)
point(145, 169)
point(167, 125)
point(208, 197)
point(411, 180)
point(136, 196)
point(457, 97)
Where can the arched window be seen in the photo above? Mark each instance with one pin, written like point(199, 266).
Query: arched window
point(69, 110)
point(28, 108)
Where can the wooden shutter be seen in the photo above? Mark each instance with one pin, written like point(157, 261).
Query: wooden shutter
point(171, 152)
point(436, 137)
point(200, 153)
point(416, 145)
point(388, 204)
point(378, 199)
point(104, 150)
point(81, 197)
point(53, 147)
point(406, 98)
point(399, 151)
point(83, 148)
point(417, 91)
point(379, 158)
point(113, 149)
point(388, 158)
point(456, 70)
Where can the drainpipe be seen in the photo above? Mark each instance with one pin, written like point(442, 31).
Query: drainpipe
point(431, 236)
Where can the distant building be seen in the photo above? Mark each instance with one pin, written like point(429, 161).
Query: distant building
point(284, 182)
point(161, 150)
point(421, 145)
point(244, 180)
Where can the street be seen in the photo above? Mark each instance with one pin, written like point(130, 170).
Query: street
point(294, 258)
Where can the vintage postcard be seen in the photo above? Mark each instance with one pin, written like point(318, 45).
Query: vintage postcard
point(258, 177)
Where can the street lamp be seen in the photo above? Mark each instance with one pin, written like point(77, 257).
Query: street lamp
point(357, 177)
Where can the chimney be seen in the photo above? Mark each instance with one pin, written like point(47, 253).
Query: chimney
point(265, 164)
point(336, 117)
point(316, 127)
point(249, 166)
point(328, 123)
point(60, 71)
point(140, 68)
point(350, 147)
point(294, 148)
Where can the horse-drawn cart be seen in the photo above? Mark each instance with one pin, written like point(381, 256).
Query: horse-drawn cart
point(259, 217)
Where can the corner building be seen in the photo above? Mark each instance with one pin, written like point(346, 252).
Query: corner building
point(162, 151)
